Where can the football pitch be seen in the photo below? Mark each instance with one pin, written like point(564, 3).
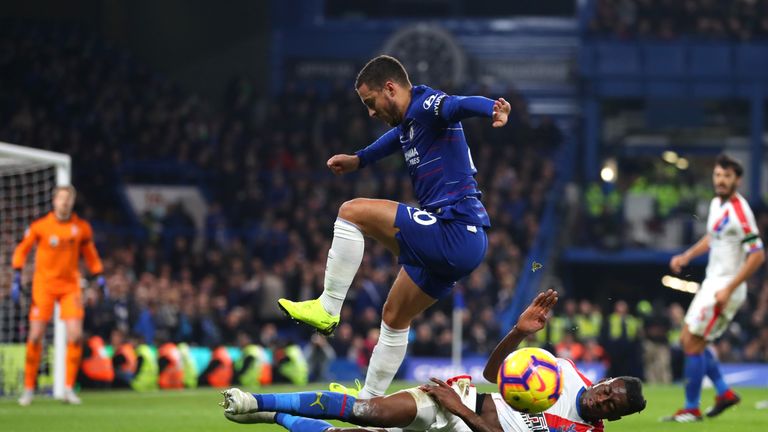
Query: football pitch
point(197, 411)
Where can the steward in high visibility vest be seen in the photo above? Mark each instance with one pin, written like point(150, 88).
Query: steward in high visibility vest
point(146, 369)
point(96, 369)
point(171, 375)
point(188, 365)
point(124, 363)
point(219, 371)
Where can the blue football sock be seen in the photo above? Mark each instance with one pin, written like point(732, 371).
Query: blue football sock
point(326, 405)
point(694, 373)
point(713, 372)
point(301, 424)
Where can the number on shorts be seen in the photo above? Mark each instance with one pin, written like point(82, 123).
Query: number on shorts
point(421, 217)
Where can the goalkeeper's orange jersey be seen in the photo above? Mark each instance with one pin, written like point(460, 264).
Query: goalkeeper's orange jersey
point(59, 245)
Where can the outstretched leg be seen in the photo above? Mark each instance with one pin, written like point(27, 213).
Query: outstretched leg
point(396, 410)
point(357, 218)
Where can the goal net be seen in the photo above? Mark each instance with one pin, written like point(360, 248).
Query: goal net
point(27, 177)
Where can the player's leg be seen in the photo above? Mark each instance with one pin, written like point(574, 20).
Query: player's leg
point(404, 303)
point(72, 314)
point(294, 423)
point(356, 219)
point(40, 314)
point(698, 318)
point(726, 397)
point(695, 366)
point(396, 410)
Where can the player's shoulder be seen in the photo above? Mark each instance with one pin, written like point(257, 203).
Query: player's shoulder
point(80, 222)
point(570, 371)
point(740, 203)
point(426, 103)
point(42, 221)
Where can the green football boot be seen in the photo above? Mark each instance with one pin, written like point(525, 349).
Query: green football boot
point(312, 313)
point(341, 388)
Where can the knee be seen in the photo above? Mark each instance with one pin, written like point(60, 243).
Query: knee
point(393, 318)
point(352, 210)
point(390, 316)
point(693, 345)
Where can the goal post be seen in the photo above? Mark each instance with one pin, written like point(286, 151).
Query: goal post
point(27, 177)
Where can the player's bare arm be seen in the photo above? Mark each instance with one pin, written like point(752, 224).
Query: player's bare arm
point(533, 319)
point(343, 163)
point(699, 248)
point(750, 266)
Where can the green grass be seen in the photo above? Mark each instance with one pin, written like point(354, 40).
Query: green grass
point(196, 410)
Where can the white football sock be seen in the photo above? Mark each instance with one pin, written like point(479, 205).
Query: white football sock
point(387, 356)
point(344, 259)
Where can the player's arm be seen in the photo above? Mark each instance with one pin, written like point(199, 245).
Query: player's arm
point(456, 108)
point(379, 149)
point(444, 395)
point(23, 248)
point(533, 319)
point(18, 260)
point(92, 260)
point(699, 248)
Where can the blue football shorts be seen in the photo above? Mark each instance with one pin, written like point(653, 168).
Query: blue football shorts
point(437, 252)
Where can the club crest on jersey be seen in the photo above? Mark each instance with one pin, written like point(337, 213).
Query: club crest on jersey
point(412, 157)
point(74, 230)
point(53, 241)
point(408, 136)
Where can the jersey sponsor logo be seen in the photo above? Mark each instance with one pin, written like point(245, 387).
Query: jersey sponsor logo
point(53, 240)
point(412, 157)
point(428, 102)
point(437, 104)
point(535, 422)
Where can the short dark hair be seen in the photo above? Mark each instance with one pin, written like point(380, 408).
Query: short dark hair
point(381, 69)
point(635, 400)
point(726, 162)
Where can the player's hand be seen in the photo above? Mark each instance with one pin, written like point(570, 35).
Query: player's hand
point(444, 395)
point(678, 262)
point(721, 299)
point(534, 317)
point(342, 163)
point(501, 110)
point(102, 284)
point(16, 287)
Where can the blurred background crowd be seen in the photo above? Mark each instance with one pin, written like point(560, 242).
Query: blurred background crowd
point(259, 160)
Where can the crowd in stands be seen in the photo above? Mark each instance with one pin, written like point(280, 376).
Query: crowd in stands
point(653, 204)
point(739, 20)
point(271, 207)
point(271, 199)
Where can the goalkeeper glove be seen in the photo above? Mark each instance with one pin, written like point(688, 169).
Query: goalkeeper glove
point(102, 283)
point(16, 286)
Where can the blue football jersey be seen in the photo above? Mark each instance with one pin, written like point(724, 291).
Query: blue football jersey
point(436, 153)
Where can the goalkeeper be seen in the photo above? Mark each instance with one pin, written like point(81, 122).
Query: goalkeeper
point(453, 406)
point(61, 238)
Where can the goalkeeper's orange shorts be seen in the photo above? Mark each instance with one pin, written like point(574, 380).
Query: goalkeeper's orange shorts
point(43, 300)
